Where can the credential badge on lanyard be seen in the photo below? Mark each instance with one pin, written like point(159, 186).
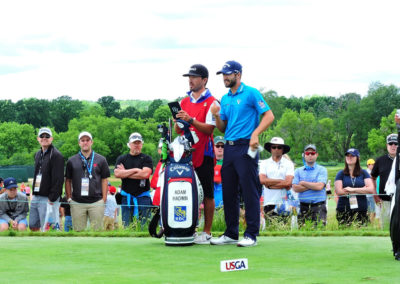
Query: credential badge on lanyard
point(38, 180)
point(86, 180)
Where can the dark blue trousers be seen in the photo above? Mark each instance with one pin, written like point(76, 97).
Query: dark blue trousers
point(240, 173)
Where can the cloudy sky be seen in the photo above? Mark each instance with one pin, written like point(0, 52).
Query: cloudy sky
point(140, 49)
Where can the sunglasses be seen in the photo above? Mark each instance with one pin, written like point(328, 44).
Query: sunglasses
point(392, 143)
point(277, 147)
point(219, 146)
point(44, 136)
point(310, 153)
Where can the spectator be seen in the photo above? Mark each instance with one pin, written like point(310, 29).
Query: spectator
point(196, 111)
point(48, 179)
point(370, 197)
point(14, 207)
point(65, 211)
point(86, 185)
point(351, 185)
point(110, 211)
point(309, 181)
point(381, 169)
point(134, 169)
point(239, 118)
point(219, 144)
point(276, 175)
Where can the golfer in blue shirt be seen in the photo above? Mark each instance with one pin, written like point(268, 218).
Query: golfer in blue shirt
point(239, 118)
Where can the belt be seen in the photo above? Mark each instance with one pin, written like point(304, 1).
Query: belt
point(312, 204)
point(238, 142)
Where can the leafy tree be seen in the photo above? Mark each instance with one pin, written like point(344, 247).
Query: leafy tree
point(110, 105)
point(154, 105)
point(33, 111)
point(63, 109)
point(130, 112)
point(7, 111)
point(16, 140)
point(162, 114)
point(377, 136)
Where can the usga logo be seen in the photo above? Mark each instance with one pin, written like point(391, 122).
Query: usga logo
point(234, 265)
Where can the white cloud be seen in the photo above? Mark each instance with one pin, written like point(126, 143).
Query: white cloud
point(139, 50)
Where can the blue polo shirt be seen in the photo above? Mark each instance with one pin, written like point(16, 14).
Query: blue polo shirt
point(242, 112)
point(315, 174)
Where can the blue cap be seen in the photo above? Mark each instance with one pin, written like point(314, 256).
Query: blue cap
point(230, 67)
point(10, 183)
point(353, 151)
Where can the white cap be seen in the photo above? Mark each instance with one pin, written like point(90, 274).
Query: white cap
point(135, 136)
point(45, 130)
point(85, 133)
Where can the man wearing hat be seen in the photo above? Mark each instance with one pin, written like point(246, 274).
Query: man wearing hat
point(196, 111)
point(48, 179)
point(239, 118)
point(381, 169)
point(370, 197)
point(309, 181)
point(134, 169)
point(14, 207)
point(276, 174)
point(86, 185)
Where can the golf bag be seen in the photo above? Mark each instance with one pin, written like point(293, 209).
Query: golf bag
point(181, 191)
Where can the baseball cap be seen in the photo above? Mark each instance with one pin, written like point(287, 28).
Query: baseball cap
point(135, 136)
point(310, 146)
point(197, 70)
point(353, 151)
point(85, 133)
point(230, 67)
point(112, 189)
point(10, 183)
point(45, 130)
point(370, 162)
point(391, 138)
point(219, 139)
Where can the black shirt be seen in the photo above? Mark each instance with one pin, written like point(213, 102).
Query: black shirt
point(382, 168)
point(132, 186)
point(50, 165)
point(76, 170)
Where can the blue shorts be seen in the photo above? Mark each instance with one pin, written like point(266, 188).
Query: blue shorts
point(23, 221)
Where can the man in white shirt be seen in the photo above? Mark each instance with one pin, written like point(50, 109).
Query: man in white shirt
point(276, 175)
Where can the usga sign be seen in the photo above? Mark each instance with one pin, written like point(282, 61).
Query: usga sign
point(234, 265)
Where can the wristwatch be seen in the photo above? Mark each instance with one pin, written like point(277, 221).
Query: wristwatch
point(191, 120)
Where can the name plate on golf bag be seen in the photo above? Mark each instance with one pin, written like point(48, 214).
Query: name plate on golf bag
point(179, 203)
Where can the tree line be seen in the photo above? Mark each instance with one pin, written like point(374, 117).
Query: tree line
point(334, 124)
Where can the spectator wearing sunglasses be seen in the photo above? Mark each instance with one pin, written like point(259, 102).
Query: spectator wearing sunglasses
point(351, 185)
point(309, 181)
point(276, 176)
point(48, 179)
point(381, 169)
point(219, 144)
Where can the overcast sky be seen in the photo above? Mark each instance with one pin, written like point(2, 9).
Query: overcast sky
point(140, 49)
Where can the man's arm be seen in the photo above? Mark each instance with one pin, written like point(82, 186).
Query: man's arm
point(68, 188)
point(267, 119)
point(134, 173)
point(104, 188)
point(313, 185)
point(221, 124)
point(299, 188)
point(57, 174)
point(201, 126)
point(276, 183)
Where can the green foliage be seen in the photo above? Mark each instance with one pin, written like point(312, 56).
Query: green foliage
point(110, 105)
point(18, 142)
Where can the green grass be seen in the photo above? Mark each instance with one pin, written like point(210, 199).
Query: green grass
point(147, 260)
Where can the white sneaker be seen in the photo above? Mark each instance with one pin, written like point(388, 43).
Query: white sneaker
point(202, 239)
point(247, 242)
point(223, 240)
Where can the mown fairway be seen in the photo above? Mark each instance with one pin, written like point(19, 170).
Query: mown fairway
point(147, 260)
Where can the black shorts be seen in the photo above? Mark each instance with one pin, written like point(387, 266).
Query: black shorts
point(206, 176)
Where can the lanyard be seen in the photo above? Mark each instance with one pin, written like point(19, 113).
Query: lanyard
point(89, 169)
